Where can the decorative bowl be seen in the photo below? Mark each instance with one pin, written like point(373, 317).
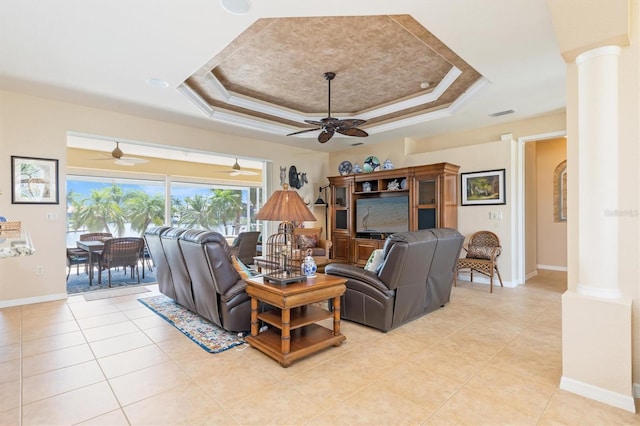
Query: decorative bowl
point(371, 164)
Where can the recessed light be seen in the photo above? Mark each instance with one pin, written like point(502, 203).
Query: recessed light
point(425, 85)
point(236, 7)
point(157, 82)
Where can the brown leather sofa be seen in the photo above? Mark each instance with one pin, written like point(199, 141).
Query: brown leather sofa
point(194, 268)
point(415, 278)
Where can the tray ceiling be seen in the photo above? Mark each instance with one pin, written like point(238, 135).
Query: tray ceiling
point(388, 68)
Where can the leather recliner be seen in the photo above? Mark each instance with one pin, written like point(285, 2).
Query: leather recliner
point(414, 279)
point(218, 290)
point(178, 267)
point(163, 273)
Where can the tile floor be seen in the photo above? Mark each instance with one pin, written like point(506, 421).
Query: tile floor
point(491, 359)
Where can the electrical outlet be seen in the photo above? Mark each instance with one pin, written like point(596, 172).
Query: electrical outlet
point(39, 270)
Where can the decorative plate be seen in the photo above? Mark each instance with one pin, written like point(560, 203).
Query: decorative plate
point(371, 164)
point(403, 184)
point(345, 168)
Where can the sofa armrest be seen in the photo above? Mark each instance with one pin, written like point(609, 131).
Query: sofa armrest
point(353, 272)
point(238, 288)
point(326, 245)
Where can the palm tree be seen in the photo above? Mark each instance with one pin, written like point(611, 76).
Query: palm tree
point(142, 209)
point(102, 209)
point(227, 206)
point(197, 211)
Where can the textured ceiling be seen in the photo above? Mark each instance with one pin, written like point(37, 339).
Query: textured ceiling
point(387, 68)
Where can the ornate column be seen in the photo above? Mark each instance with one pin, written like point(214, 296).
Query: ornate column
point(598, 172)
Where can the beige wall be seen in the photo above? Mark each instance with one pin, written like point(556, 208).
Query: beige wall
point(37, 127)
point(551, 235)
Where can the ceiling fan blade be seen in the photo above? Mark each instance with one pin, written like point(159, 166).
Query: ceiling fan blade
point(329, 125)
point(353, 131)
point(121, 162)
point(304, 131)
point(325, 135)
point(133, 160)
point(352, 122)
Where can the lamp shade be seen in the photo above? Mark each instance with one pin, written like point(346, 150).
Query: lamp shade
point(285, 206)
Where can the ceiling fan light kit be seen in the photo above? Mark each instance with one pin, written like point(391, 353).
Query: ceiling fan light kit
point(328, 126)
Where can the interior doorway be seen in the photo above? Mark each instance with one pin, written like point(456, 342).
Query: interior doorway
point(541, 223)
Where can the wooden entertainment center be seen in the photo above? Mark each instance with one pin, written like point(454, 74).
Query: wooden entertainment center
point(408, 199)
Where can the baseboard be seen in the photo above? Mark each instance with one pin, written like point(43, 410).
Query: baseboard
point(531, 275)
point(32, 300)
point(552, 268)
point(636, 390)
point(598, 394)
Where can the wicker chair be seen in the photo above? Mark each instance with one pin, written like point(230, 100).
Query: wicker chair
point(482, 255)
point(95, 236)
point(118, 252)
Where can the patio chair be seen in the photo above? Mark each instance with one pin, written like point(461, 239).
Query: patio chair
point(244, 246)
point(95, 236)
point(482, 256)
point(118, 252)
point(76, 257)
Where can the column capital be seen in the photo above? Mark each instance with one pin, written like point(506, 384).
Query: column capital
point(599, 51)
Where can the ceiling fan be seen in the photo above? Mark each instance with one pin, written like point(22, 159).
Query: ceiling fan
point(236, 170)
point(329, 125)
point(118, 157)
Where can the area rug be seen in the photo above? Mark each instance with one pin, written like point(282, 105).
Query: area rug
point(116, 292)
point(79, 283)
point(208, 336)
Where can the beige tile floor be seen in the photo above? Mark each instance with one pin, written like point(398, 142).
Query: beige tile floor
point(491, 359)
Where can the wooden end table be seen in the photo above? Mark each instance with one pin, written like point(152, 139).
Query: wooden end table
point(294, 333)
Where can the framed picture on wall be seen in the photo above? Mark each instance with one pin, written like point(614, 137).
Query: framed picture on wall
point(483, 188)
point(34, 180)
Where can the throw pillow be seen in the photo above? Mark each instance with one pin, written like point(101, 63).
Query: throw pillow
point(480, 252)
point(307, 241)
point(375, 260)
point(243, 270)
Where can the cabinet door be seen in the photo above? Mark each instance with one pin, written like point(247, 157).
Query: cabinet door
point(340, 251)
point(427, 195)
point(362, 249)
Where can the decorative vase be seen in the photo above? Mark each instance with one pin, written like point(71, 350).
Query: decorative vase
point(309, 266)
point(387, 165)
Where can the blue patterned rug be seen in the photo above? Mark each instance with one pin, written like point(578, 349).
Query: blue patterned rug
point(79, 283)
point(208, 336)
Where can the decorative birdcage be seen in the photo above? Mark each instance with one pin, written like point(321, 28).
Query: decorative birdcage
point(282, 253)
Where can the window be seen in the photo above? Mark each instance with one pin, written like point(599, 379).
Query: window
point(560, 192)
point(128, 206)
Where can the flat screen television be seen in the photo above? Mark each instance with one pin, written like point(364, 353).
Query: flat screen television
point(384, 215)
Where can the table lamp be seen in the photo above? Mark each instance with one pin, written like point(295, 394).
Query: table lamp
point(287, 207)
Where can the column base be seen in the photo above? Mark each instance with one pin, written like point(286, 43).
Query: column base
point(596, 349)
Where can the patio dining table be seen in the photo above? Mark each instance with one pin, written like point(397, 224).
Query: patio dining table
point(91, 247)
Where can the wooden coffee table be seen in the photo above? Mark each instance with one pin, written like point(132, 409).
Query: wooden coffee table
point(293, 332)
